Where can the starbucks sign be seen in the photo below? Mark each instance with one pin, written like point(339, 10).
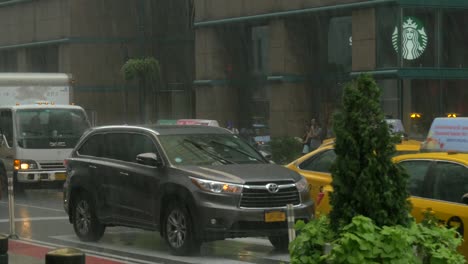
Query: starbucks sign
point(414, 40)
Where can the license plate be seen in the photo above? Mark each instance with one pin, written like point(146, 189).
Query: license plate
point(60, 176)
point(275, 216)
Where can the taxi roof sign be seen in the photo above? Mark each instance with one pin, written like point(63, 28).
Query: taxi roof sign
point(447, 135)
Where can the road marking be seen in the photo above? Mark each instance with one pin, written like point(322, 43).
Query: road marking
point(30, 219)
point(37, 207)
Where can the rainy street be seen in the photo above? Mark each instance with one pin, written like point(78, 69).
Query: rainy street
point(41, 220)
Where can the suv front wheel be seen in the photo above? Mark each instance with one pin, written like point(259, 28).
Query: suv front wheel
point(85, 222)
point(179, 233)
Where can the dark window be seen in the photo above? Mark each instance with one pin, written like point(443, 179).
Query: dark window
point(6, 126)
point(417, 171)
point(8, 61)
point(386, 23)
point(92, 147)
point(140, 144)
point(454, 39)
point(321, 162)
point(450, 182)
point(43, 59)
point(118, 146)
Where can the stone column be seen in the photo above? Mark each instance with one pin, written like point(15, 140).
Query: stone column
point(290, 105)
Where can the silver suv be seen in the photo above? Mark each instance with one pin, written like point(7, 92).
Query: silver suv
point(192, 183)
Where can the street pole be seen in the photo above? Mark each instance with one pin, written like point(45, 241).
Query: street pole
point(291, 222)
point(11, 208)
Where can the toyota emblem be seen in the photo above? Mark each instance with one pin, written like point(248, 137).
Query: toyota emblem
point(272, 187)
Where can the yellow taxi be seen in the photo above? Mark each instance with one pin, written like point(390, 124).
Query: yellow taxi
point(438, 175)
point(315, 167)
point(439, 183)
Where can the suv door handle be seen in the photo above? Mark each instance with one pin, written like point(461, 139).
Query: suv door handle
point(123, 173)
point(92, 167)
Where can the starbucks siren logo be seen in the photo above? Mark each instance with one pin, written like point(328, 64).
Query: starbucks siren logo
point(414, 41)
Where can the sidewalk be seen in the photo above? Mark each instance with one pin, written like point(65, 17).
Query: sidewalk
point(21, 252)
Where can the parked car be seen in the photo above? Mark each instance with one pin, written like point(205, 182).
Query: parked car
point(192, 183)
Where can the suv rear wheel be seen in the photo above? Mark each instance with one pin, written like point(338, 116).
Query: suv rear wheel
point(281, 243)
point(179, 233)
point(85, 222)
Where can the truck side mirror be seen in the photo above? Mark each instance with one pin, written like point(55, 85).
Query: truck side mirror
point(465, 198)
point(149, 159)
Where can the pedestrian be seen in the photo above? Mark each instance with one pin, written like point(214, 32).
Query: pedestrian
point(306, 140)
point(314, 134)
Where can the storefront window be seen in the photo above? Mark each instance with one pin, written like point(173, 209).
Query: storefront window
point(386, 21)
point(340, 43)
point(430, 99)
point(455, 39)
point(390, 99)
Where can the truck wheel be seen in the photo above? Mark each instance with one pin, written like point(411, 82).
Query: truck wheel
point(179, 230)
point(280, 243)
point(85, 223)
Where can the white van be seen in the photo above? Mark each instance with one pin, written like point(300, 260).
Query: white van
point(447, 135)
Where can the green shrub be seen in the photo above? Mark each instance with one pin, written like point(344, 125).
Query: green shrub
point(362, 241)
point(285, 149)
point(365, 180)
point(308, 245)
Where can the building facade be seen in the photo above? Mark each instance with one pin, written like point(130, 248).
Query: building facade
point(283, 62)
point(92, 39)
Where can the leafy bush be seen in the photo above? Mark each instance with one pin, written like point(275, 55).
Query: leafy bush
point(308, 245)
point(365, 180)
point(285, 149)
point(362, 241)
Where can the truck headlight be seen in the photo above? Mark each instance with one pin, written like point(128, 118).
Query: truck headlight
point(302, 185)
point(216, 187)
point(25, 165)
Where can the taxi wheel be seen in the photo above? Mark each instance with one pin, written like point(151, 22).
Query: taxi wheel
point(179, 230)
point(281, 243)
point(85, 223)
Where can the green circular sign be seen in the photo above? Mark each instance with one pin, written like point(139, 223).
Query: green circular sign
point(414, 40)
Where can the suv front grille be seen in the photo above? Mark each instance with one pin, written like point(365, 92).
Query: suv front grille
point(52, 165)
point(258, 196)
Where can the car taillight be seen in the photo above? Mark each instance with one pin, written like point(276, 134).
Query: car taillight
point(65, 163)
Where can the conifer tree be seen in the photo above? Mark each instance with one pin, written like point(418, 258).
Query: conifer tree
point(365, 180)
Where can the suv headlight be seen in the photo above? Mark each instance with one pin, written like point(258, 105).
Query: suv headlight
point(216, 187)
point(25, 165)
point(302, 185)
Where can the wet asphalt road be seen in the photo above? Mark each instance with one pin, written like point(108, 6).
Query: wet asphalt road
point(40, 218)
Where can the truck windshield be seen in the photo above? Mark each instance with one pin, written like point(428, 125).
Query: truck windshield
point(50, 128)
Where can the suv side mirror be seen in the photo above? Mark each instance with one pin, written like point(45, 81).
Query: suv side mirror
point(465, 198)
point(150, 159)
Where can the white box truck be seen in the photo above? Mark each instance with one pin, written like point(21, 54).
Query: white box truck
point(38, 128)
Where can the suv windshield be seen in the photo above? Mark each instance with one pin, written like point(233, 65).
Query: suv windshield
point(50, 128)
point(213, 149)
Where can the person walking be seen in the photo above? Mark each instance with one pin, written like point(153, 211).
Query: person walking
point(314, 134)
point(306, 140)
